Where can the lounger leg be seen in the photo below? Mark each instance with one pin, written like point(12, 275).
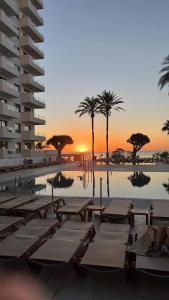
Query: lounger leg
point(89, 215)
point(131, 219)
point(34, 268)
point(81, 216)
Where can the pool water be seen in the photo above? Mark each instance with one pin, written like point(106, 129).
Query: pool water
point(115, 184)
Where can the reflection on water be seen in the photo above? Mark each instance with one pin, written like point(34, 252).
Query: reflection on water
point(87, 184)
point(166, 186)
point(139, 179)
point(60, 181)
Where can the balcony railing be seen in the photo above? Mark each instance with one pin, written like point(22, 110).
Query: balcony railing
point(39, 117)
point(12, 86)
point(40, 100)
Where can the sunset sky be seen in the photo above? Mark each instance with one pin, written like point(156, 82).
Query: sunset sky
point(118, 45)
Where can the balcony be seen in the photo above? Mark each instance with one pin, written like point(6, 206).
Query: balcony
point(7, 68)
point(31, 84)
point(29, 28)
point(8, 90)
point(32, 49)
point(30, 10)
point(8, 111)
point(6, 25)
point(9, 6)
point(7, 133)
point(28, 117)
point(38, 4)
point(7, 47)
point(30, 66)
point(31, 136)
point(28, 153)
point(29, 100)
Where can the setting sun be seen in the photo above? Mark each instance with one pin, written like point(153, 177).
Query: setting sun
point(82, 148)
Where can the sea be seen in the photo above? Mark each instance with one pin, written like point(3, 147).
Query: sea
point(141, 154)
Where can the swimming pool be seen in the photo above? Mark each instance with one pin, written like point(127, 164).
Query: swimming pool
point(115, 184)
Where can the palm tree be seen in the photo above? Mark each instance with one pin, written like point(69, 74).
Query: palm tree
point(164, 79)
point(89, 106)
point(107, 102)
point(166, 126)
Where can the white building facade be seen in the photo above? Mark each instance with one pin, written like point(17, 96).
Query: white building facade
point(19, 78)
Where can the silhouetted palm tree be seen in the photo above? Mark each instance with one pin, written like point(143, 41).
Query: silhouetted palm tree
point(164, 79)
point(107, 102)
point(89, 106)
point(166, 126)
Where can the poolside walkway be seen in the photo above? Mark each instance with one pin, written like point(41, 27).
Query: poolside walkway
point(75, 166)
point(36, 172)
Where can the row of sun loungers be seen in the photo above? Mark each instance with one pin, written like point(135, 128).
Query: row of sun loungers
point(32, 242)
point(41, 242)
point(24, 205)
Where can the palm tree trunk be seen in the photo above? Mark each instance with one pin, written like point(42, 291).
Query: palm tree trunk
point(107, 139)
point(92, 138)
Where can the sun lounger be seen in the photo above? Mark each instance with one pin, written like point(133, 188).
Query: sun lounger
point(7, 197)
point(153, 263)
point(109, 227)
point(26, 240)
point(9, 223)
point(146, 260)
point(107, 251)
point(16, 202)
point(77, 225)
point(160, 210)
point(75, 208)
point(117, 209)
point(66, 245)
point(39, 207)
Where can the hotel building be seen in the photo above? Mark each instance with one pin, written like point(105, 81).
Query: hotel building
point(19, 70)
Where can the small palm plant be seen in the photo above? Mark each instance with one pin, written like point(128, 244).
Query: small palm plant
point(89, 106)
point(166, 126)
point(108, 101)
point(164, 79)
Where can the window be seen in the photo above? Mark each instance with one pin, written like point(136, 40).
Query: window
point(27, 128)
point(3, 145)
point(17, 128)
point(18, 147)
point(17, 107)
point(3, 123)
point(27, 146)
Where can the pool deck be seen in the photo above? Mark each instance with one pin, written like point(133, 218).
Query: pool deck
point(36, 172)
point(63, 282)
